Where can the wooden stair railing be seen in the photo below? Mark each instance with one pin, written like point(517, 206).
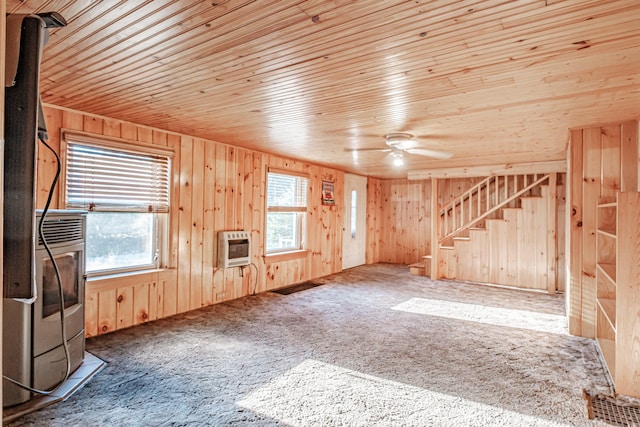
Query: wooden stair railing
point(482, 200)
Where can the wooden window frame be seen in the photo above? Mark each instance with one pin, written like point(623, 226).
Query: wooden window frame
point(301, 220)
point(161, 219)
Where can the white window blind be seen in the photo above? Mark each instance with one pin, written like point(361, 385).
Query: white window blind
point(286, 192)
point(108, 179)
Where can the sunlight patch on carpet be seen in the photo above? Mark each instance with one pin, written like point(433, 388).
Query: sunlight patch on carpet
point(522, 319)
point(318, 393)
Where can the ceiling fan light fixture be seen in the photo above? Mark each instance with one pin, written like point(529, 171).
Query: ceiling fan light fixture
point(398, 158)
point(397, 138)
point(399, 143)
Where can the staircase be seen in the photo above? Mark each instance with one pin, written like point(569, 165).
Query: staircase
point(482, 201)
point(497, 232)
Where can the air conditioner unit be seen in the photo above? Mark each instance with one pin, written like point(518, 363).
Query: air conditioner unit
point(234, 248)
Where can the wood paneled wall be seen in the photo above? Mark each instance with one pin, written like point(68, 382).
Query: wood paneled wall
point(220, 187)
point(449, 189)
point(398, 220)
point(374, 220)
point(514, 249)
point(602, 160)
point(3, 36)
point(215, 187)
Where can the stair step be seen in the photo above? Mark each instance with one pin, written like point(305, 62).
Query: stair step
point(417, 269)
point(477, 230)
point(447, 248)
point(518, 198)
point(426, 257)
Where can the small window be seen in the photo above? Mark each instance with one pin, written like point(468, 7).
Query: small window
point(286, 212)
point(354, 212)
point(126, 191)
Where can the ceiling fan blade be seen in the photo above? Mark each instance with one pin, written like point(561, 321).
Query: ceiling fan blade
point(360, 135)
point(441, 155)
point(367, 135)
point(367, 149)
point(433, 136)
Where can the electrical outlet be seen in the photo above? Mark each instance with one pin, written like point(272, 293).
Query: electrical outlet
point(220, 295)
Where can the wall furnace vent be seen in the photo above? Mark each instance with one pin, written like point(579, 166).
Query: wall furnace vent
point(234, 249)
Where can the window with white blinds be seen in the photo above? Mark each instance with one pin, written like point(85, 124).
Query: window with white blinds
point(101, 178)
point(286, 212)
point(287, 192)
point(125, 186)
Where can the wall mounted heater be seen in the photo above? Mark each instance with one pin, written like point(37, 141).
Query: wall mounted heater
point(234, 249)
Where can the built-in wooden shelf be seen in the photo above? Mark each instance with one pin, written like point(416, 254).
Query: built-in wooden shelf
point(611, 232)
point(606, 219)
point(618, 289)
point(608, 350)
point(609, 270)
point(608, 204)
point(608, 307)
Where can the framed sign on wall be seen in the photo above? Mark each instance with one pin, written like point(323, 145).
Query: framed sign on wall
point(327, 193)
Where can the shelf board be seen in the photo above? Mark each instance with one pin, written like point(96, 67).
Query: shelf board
point(608, 307)
point(609, 271)
point(608, 204)
point(608, 232)
point(608, 350)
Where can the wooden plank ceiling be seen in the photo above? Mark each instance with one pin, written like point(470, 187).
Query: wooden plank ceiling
point(489, 81)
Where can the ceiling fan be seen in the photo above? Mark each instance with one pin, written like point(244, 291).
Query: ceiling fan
point(402, 142)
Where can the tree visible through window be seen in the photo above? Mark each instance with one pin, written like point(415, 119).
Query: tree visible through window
point(286, 212)
point(126, 192)
point(118, 240)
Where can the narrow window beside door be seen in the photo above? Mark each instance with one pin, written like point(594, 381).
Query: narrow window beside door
point(354, 211)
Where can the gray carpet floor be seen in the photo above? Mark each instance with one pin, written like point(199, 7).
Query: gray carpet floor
point(371, 346)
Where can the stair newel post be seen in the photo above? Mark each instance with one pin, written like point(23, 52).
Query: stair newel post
point(471, 204)
point(470, 213)
point(454, 211)
point(445, 221)
point(496, 191)
point(468, 208)
point(435, 226)
point(552, 218)
point(479, 193)
point(461, 212)
point(487, 194)
point(490, 194)
point(505, 179)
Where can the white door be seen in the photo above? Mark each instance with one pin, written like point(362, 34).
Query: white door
point(354, 241)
